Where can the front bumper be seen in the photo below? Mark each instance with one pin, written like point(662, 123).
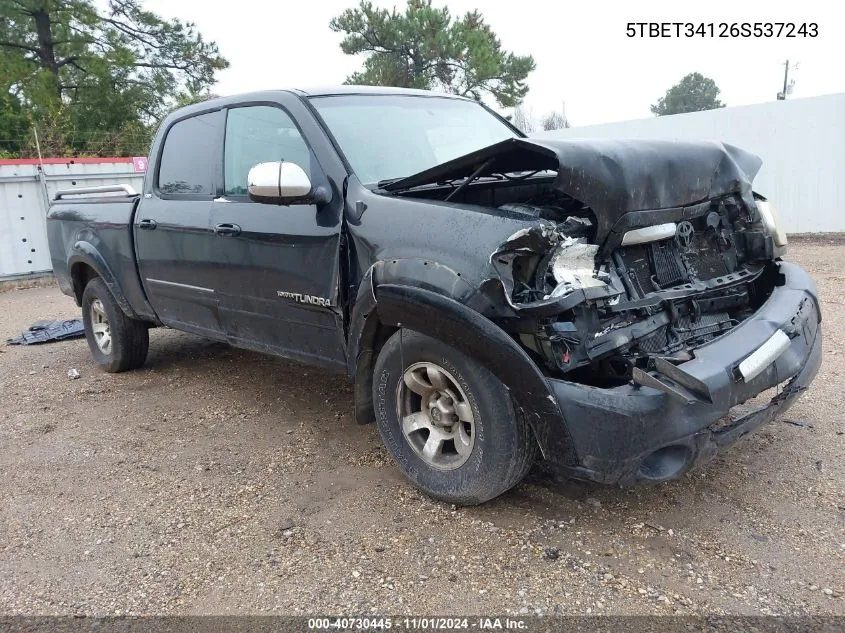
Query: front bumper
point(634, 433)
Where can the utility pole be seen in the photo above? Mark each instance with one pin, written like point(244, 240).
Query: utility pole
point(787, 86)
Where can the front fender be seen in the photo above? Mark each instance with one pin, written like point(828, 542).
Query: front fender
point(84, 252)
point(476, 336)
point(419, 273)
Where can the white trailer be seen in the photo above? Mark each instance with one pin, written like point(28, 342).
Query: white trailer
point(27, 186)
point(801, 142)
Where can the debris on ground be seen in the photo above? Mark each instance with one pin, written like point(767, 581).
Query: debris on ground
point(551, 553)
point(48, 331)
point(799, 423)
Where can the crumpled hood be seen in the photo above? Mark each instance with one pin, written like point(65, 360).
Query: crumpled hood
point(613, 177)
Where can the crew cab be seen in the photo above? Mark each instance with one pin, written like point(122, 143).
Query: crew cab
point(612, 306)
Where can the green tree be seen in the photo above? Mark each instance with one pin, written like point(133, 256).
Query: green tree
point(424, 47)
point(693, 93)
point(14, 125)
point(96, 76)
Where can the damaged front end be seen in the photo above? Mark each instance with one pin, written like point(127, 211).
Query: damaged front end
point(603, 294)
point(642, 283)
point(638, 250)
point(594, 314)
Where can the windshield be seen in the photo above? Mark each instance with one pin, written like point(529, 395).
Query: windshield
point(393, 136)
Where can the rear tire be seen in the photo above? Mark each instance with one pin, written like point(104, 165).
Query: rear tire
point(117, 342)
point(449, 423)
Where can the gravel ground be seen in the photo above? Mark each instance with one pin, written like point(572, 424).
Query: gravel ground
point(216, 481)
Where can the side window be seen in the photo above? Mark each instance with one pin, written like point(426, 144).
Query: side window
point(259, 134)
point(187, 160)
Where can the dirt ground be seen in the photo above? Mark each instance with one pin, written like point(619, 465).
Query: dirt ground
point(216, 481)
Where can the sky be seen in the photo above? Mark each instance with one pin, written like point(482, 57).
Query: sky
point(585, 62)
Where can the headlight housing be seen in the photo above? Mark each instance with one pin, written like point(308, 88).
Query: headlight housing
point(770, 220)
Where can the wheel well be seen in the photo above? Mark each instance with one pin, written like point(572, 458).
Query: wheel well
point(373, 337)
point(80, 274)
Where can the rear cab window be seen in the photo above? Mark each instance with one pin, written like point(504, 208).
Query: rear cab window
point(189, 155)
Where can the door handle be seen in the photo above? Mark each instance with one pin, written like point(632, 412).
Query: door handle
point(227, 230)
point(147, 225)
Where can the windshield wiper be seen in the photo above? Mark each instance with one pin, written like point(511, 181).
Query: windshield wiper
point(485, 165)
point(465, 181)
point(388, 181)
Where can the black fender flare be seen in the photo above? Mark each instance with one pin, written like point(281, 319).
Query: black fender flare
point(360, 322)
point(478, 337)
point(419, 273)
point(362, 336)
point(86, 253)
point(366, 331)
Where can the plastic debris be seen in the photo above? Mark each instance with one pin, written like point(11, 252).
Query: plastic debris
point(799, 423)
point(72, 374)
point(47, 331)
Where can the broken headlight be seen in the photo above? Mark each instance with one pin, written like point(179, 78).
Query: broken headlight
point(573, 266)
point(770, 220)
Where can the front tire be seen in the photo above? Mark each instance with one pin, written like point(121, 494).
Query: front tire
point(117, 342)
point(449, 423)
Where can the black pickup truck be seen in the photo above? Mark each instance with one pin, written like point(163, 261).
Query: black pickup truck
point(613, 306)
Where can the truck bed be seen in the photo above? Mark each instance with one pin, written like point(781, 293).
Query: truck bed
point(98, 227)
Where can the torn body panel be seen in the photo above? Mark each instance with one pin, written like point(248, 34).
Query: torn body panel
point(617, 274)
point(659, 294)
point(639, 249)
point(612, 177)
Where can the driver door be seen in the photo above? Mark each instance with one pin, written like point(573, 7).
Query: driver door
point(277, 266)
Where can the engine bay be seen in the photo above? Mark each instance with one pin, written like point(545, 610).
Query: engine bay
point(637, 252)
point(654, 291)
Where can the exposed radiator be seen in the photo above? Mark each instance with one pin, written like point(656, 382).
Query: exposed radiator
point(663, 264)
point(687, 332)
point(666, 263)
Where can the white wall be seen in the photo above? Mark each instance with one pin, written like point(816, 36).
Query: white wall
point(801, 142)
point(26, 187)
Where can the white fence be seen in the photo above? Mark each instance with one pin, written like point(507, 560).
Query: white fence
point(26, 186)
point(801, 142)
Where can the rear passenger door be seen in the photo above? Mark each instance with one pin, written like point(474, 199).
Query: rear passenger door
point(174, 240)
point(278, 273)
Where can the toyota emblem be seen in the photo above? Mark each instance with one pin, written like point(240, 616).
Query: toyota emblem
point(684, 233)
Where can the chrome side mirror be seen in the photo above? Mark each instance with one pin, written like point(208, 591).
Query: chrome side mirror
point(279, 182)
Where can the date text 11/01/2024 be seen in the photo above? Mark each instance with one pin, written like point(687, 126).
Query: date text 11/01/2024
point(421, 623)
point(722, 29)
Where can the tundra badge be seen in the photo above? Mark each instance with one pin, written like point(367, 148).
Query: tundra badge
point(300, 298)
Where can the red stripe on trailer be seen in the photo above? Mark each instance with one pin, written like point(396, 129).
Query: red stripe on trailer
point(65, 161)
